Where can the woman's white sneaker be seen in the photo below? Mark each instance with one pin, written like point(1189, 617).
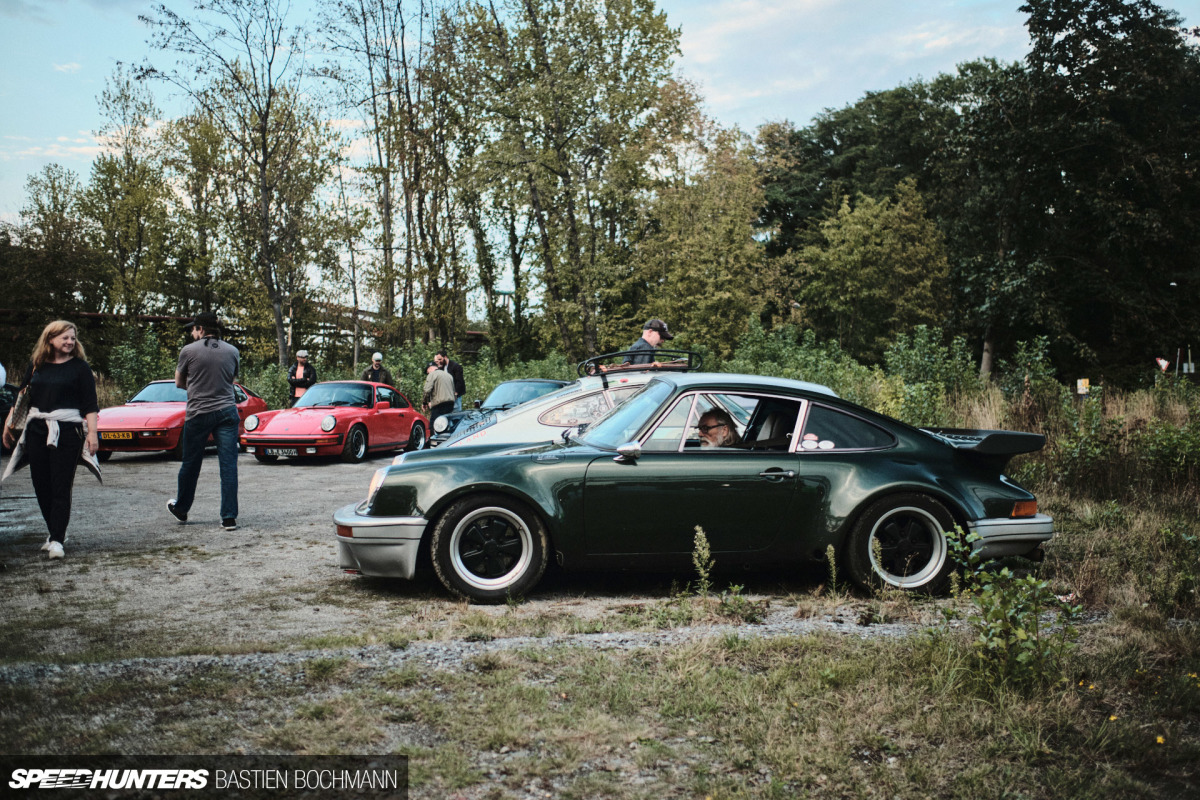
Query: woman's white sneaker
point(55, 550)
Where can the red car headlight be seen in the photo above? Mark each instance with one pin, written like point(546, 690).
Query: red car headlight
point(328, 423)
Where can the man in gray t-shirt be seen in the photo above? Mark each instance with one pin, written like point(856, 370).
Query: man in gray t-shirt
point(206, 369)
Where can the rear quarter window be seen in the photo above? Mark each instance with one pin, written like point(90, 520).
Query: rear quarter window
point(829, 429)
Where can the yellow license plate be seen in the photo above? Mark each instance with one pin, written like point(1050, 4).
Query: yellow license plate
point(116, 435)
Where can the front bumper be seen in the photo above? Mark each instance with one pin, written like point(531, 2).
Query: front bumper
point(1001, 537)
point(384, 547)
point(140, 441)
point(324, 445)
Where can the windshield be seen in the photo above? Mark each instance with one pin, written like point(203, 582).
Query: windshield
point(336, 394)
point(622, 424)
point(512, 393)
point(165, 392)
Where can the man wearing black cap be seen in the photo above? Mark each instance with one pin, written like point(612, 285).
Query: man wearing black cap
point(206, 369)
point(654, 333)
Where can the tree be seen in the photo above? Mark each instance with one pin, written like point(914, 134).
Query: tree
point(565, 92)
point(243, 68)
point(57, 272)
point(194, 156)
point(696, 260)
point(126, 197)
point(880, 271)
point(1117, 89)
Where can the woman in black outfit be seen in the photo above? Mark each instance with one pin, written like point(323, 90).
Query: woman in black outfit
point(62, 392)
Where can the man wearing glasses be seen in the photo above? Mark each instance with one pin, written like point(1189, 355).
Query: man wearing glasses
point(717, 429)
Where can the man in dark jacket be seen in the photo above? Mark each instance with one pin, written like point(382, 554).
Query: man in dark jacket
point(654, 333)
point(456, 372)
point(301, 375)
point(377, 372)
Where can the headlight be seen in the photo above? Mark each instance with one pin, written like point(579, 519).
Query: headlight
point(328, 423)
point(376, 482)
point(440, 424)
point(252, 422)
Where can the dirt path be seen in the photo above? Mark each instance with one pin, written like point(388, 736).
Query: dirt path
point(137, 584)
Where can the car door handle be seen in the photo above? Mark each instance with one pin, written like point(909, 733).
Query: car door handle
point(777, 473)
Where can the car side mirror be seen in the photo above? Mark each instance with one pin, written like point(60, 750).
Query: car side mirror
point(382, 404)
point(628, 453)
point(478, 402)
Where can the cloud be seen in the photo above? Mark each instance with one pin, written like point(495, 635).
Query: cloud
point(74, 150)
point(69, 68)
point(26, 10)
point(770, 59)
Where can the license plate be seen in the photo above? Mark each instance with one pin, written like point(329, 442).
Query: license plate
point(279, 451)
point(116, 435)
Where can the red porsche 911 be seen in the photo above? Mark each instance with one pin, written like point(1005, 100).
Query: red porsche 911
point(153, 419)
point(342, 418)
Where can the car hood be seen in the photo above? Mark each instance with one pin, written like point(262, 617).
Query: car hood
point(297, 421)
point(539, 450)
point(142, 415)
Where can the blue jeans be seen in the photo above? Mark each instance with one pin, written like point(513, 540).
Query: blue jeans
point(223, 425)
point(457, 403)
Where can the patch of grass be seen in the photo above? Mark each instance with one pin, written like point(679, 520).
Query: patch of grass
point(325, 670)
point(733, 716)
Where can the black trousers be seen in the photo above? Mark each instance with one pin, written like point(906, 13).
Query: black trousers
point(52, 470)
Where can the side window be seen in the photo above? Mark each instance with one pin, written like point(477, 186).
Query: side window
point(773, 424)
point(618, 396)
point(577, 411)
point(711, 422)
point(671, 430)
point(827, 429)
point(385, 396)
point(238, 395)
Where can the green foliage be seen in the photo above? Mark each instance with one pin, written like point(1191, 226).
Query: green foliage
point(138, 358)
point(1109, 456)
point(920, 357)
point(485, 374)
point(268, 381)
point(791, 353)
point(1023, 631)
point(1145, 552)
point(1029, 369)
point(702, 560)
point(880, 268)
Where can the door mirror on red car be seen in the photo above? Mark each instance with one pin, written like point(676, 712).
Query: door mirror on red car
point(383, 404)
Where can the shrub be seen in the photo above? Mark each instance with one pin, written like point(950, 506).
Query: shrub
point(921, 358)
point(791, 353)
point(139, 358)
point(1023, 631)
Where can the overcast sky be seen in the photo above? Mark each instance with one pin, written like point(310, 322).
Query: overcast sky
point(755, 61)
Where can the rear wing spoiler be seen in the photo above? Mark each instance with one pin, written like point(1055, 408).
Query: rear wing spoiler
point(997, 447)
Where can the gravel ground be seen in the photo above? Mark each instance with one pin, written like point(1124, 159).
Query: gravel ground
point(134, 581)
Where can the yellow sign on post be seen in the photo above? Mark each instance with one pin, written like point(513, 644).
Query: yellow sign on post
point(1083, 386)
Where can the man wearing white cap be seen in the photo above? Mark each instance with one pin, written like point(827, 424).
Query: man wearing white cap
point(377, 372)
point(301, 375)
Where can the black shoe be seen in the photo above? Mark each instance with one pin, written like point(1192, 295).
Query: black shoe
point(177, 515)
point(229, 524)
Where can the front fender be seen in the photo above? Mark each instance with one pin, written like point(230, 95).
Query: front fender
point(551, 486)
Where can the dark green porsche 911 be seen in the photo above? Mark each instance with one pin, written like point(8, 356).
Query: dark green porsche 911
point(801, 470)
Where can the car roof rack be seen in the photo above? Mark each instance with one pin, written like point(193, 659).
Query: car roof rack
point(664, 360)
